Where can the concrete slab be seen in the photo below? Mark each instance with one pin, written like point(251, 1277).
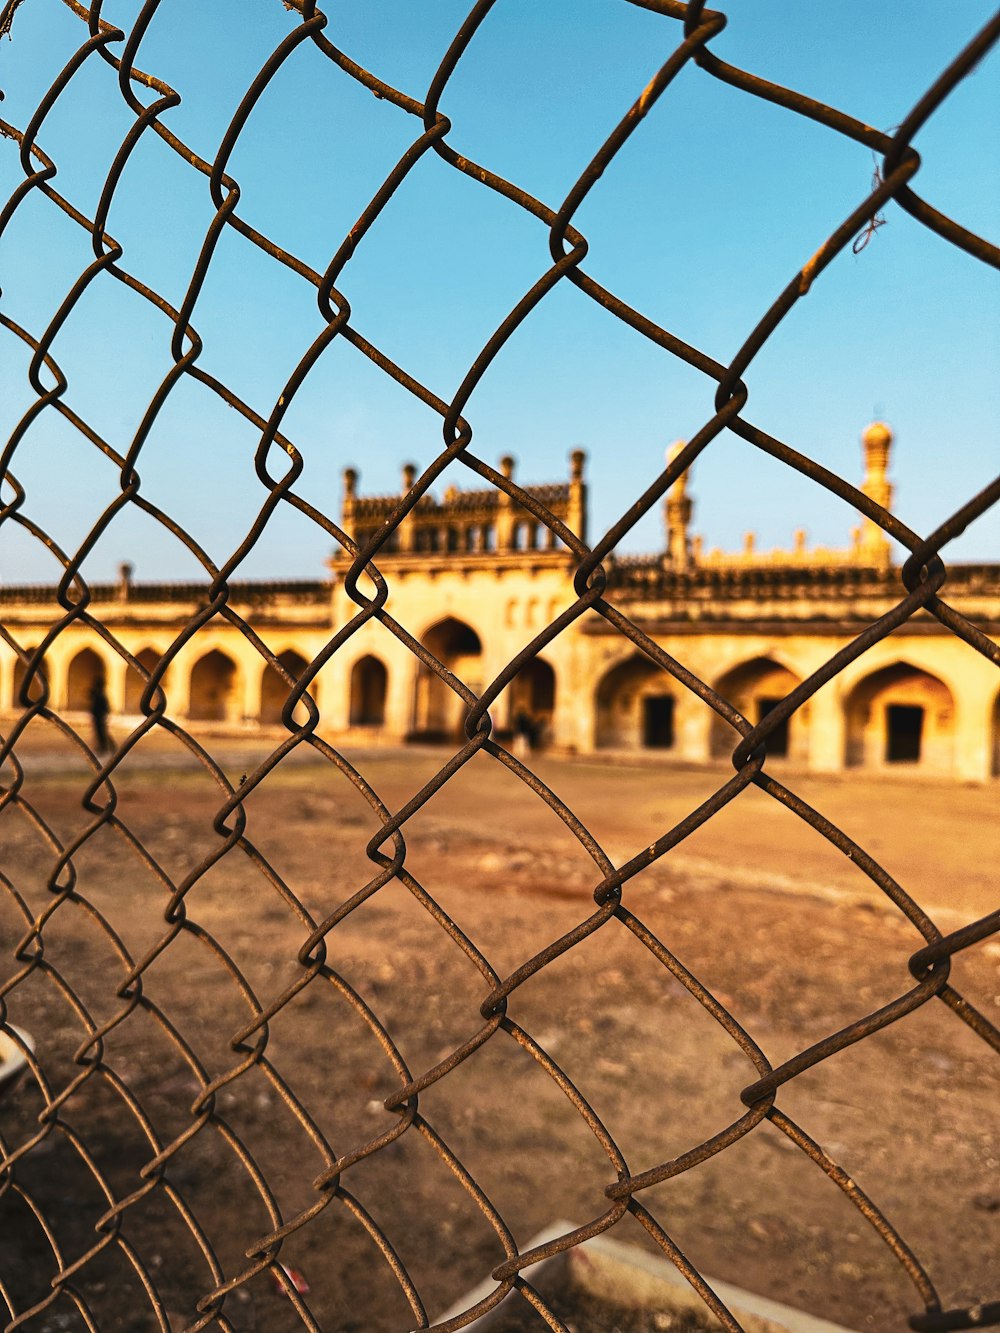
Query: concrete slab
point(626, 1275)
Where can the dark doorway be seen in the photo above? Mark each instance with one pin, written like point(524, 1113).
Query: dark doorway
point(777, 742)
point(658, 721)
point(369, 680)
point(904, 725)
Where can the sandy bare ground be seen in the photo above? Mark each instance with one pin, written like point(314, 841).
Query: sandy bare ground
point(786, 932)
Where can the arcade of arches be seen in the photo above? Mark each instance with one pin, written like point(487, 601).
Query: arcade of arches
point(897, 716)
point(476, 578)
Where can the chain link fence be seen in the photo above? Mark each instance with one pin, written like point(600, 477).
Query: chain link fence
point(144, 1229)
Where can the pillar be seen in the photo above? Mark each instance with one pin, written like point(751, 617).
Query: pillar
point(114, 684)
point(400, 697)
point(827, 729)
point(693, 727)
point(974, 734)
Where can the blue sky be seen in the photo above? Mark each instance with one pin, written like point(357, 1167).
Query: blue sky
point(700, 221)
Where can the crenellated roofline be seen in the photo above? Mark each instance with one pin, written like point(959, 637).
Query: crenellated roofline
point(638, 577)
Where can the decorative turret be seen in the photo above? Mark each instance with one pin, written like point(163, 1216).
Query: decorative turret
point(677, 509)
point(872, 541)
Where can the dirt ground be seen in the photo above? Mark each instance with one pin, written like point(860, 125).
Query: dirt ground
point(782, 928)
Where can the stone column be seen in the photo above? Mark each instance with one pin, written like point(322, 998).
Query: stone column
point(249, 679)
point(331, 689)
point(114, 685)
point(179, 698)
point(574, 722)
point(826, 729)
point(973, 760)
point(693, 727)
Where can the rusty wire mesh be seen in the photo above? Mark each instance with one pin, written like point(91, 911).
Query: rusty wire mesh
point(159, 1181)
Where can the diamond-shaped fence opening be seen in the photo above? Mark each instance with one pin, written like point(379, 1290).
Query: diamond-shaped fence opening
point(272, 1012)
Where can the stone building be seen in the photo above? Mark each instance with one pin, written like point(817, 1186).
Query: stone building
point(474, 577)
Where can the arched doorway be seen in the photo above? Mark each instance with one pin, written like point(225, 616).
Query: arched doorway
point(533, 697)
point(20, 671)
point(439, 713)
point(900, 716)
point(755, 688)
point(135, 685)
point(86, 673)
point(636, 707)
point(213, 695)
point(369, 684)
point(274, 691)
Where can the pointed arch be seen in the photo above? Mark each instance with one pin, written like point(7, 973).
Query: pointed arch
point(135, 684)
point(86, 673)
point(533, 697)
point(274, 689)
point(636, 702)
point(900, 716)
point(20, 671)
point(214, 696)
point(369, 688)
point(438, 712)
point(755, 687)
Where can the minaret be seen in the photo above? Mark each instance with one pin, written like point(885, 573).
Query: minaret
point(407, 530)
point(347, 507)
point(873, 543)
point(505, 509)
point(125, 571)
point(576, 514)
point(677, 509)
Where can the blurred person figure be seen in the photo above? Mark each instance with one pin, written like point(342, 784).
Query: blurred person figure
point(524, 735)
point(99, 710)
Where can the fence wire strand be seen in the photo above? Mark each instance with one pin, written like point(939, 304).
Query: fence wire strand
point(278, 464)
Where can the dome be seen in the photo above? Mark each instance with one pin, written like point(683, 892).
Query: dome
point(877, 434)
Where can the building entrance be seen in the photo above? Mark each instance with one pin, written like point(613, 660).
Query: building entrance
point(904, 728)
point(777, 742)
point(658, 721)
